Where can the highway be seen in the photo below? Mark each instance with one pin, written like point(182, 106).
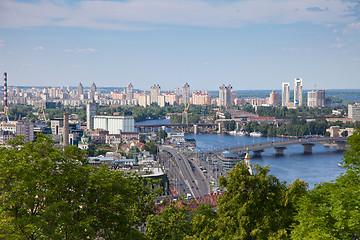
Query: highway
point(194, 180)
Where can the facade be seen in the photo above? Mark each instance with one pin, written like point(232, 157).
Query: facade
point(186, 93)
point(91, 110)
point(225, 94)
point(129, 92)
point(155, 91)
point(17, 128)
point(354, 111)
point(285, 94)
point(144, 99)
point(80, 89)
point(298, 92)
point(201, 98)
point(274, 98)
point(114, 124)
point(316, 98)
point(171, 98)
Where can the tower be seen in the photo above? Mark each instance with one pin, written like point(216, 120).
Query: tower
point(80, 89)
point(91, 110)
point(225, 95)
point(285, 94)
point(155, 91)
point(247, 161)
point(297, 91)
point(5, 91)
point(129, 92)
point(186, 93)
point(66, 130)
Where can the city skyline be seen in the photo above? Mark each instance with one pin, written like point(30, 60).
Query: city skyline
point(254, 45)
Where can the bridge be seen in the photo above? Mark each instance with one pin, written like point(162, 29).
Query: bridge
point(152, 126)
point(280, 146)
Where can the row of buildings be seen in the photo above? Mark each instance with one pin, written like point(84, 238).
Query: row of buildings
point(315, 98)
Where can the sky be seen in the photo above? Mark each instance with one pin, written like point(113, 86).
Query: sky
point(250, 44)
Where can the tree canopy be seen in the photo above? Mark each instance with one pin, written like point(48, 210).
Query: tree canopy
point(47, 193)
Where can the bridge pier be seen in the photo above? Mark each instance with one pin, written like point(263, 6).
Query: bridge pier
point(341, 145)
point(308, 147)
point(195, 129)
point(257, 153)
point(219, 127)
point(279, 151)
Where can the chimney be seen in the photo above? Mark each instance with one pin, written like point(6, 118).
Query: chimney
point(66, 130)
point(5, 90)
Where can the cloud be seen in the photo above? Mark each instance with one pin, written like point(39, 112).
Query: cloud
point(2, 43)
point(316, 9)
point(81, 50)
point(352, 28)
point(39, 48)
point(150, 14)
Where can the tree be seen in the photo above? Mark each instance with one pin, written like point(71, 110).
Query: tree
point(256, 206)
point(171, 223)
point(331, 210)
point(161, 134)
point(47, 193)
point(229, 125)
point(151, 147)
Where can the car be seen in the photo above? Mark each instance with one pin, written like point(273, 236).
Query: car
point(192, 186)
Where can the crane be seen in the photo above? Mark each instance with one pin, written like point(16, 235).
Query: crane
point(185, 113)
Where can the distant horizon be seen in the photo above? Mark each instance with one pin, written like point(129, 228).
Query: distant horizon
point(250, 44)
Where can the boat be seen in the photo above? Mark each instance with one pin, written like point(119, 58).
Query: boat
point(255, 134)
point(341, 164)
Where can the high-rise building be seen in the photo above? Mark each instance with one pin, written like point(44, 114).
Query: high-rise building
point(201, 98)
point(316, 98)
point(285, 94)
point(297, 91)
point(80, 89)
point(225, 95)
point(93, 87)
point(155, 91)
point(129, 92)
point(91, 110)
point(274, 98)
point(354, 111)
point(186, 93)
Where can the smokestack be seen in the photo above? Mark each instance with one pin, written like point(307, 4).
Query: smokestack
point(66, 130)
point(5, 90)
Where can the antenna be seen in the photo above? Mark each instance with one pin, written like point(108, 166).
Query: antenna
point(315, 86)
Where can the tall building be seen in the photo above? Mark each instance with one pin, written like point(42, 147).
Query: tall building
point(80, 89)
point(186, 93)
point(93, 87)
point(274, 98)
point(129, 92)
point(316, 98)
point(155, 91)
point(285, 94)
point(354, 111)
point(297, 91)
point(201, 98)
point(225, 93)
point(91, 110)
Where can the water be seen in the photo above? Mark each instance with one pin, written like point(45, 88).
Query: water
point(321, 166)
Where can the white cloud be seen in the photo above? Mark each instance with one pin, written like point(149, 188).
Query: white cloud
point(2, 43)
point(81, 50)
point(39, 48)
point(147, 14)
point(352, 28)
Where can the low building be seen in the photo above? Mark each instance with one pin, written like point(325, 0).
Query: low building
point(229, 159)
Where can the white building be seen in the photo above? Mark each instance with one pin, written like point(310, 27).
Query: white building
point(114, 124)
point(354, 111)
point(285, 94)
point(316, 98)
point(297, 91)
point(225, 95)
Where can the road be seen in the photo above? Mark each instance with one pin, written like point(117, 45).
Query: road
point(194, 180)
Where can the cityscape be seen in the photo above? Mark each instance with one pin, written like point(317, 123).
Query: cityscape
point(173, 119)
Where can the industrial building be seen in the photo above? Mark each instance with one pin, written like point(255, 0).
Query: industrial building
point(114, 124)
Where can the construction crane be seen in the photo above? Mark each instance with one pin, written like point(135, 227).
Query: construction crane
point(185, 113)
point(44, 116)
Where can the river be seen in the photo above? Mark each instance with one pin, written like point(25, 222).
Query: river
point(320, 166)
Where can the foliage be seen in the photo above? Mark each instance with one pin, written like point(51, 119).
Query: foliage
point(331, 210)
point(256, 206)
point(172, 223)
point(151, 147)
point(51, 194)
point(229, 125)
point(161, 134)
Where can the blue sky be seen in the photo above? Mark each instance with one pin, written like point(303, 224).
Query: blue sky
point(250, 44)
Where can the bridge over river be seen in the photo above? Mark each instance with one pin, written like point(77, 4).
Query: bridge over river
point(280, 146)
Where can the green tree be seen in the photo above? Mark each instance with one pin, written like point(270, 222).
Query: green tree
point(161, 134)
point(151, 147)
point(47, 193)
point(171, 223)
point(256, 206)
point(331, 210)
point(229, 125)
